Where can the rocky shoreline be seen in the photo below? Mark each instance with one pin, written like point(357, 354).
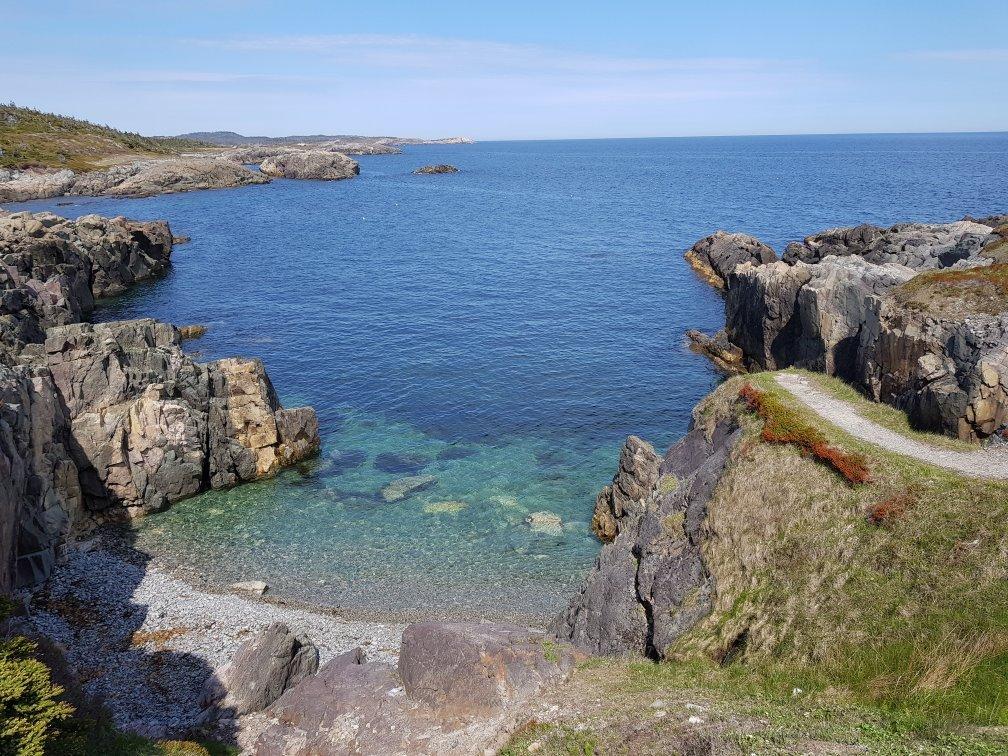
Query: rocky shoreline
point(221, 168)
point(912, 315)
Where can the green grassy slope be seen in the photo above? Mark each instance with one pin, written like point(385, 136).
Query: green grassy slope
point(31, 138)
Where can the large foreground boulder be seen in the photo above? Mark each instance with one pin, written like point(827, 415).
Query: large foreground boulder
point(262, 669)
point(459, 689)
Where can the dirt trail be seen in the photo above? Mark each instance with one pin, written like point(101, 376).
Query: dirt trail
point(991, 464)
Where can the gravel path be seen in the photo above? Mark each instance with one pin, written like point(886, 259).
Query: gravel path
point(984, 463)
point(145, 641)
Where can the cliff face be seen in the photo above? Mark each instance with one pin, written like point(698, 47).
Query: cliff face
point(112, 420)
point(915, 315)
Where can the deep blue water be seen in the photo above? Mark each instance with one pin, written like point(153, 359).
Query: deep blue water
point(506, 327)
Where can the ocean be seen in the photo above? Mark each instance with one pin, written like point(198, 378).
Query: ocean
point(500, 330)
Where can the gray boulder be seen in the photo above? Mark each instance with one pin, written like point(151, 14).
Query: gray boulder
point(311, 164)
point(715, 257)
point(262, 669)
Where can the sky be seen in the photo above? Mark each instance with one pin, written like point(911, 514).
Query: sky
point(512, 70)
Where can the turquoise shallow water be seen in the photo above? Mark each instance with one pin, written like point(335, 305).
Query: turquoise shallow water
point(501, 329)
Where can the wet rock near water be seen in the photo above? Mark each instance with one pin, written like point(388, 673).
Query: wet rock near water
point(430, 170)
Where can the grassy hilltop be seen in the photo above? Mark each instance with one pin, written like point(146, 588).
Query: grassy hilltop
point(32, 139)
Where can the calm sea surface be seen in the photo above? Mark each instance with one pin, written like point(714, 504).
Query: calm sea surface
point(502, 329)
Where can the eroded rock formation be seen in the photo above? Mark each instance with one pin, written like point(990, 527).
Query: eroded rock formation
point(649, 584)
point(136, 179)
point(714, 257)
point(112, 419)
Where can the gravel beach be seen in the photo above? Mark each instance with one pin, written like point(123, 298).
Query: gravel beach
point(144, 641)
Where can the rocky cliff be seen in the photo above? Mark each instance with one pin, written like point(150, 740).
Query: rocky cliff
point(112, 420)
point(915, 315)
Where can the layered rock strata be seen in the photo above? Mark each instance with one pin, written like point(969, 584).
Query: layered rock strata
point(914, 315)
point(112, 419)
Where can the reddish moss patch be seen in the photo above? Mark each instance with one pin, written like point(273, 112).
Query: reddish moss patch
point(891, 509)
point(782, 425)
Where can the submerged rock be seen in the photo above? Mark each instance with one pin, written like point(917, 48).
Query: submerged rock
point(393, 462)
point(400, 489)
point(545, 522)
point(444, 507)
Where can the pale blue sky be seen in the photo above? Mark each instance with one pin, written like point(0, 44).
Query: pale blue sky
point(515, 70)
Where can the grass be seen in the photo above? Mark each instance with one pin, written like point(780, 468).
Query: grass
point(784, 423)
point(884, 414)
point(911, 617)
point(971, 290)
point(32, 139)
point(84, 737)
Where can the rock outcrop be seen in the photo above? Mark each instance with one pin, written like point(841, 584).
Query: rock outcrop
point(914, 315)
point(314, 164)
point(429, 170)
point(112, 419)
point(52, 269)
point(921, 246)
point(458, 689)
point(649, 584)
point(716, 256)
point(263, 668)
point(137, 179)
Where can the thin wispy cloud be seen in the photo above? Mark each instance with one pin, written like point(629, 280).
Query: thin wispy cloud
point(418, 52)
point(991, 55)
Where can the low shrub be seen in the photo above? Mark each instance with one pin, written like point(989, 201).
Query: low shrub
point(30, 709)
point(782, 425)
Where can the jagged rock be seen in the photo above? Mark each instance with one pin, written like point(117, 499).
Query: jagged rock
point(52, 269)
point(650, 584)
point(727, 357)
point(458, 691)
point(716, 256)
point(921, 246)
point(255, 587)
point(466, 670)
point(315, 164)
point(429, 170)
point(40, 496)
point(262, 669)
point(632, 484)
